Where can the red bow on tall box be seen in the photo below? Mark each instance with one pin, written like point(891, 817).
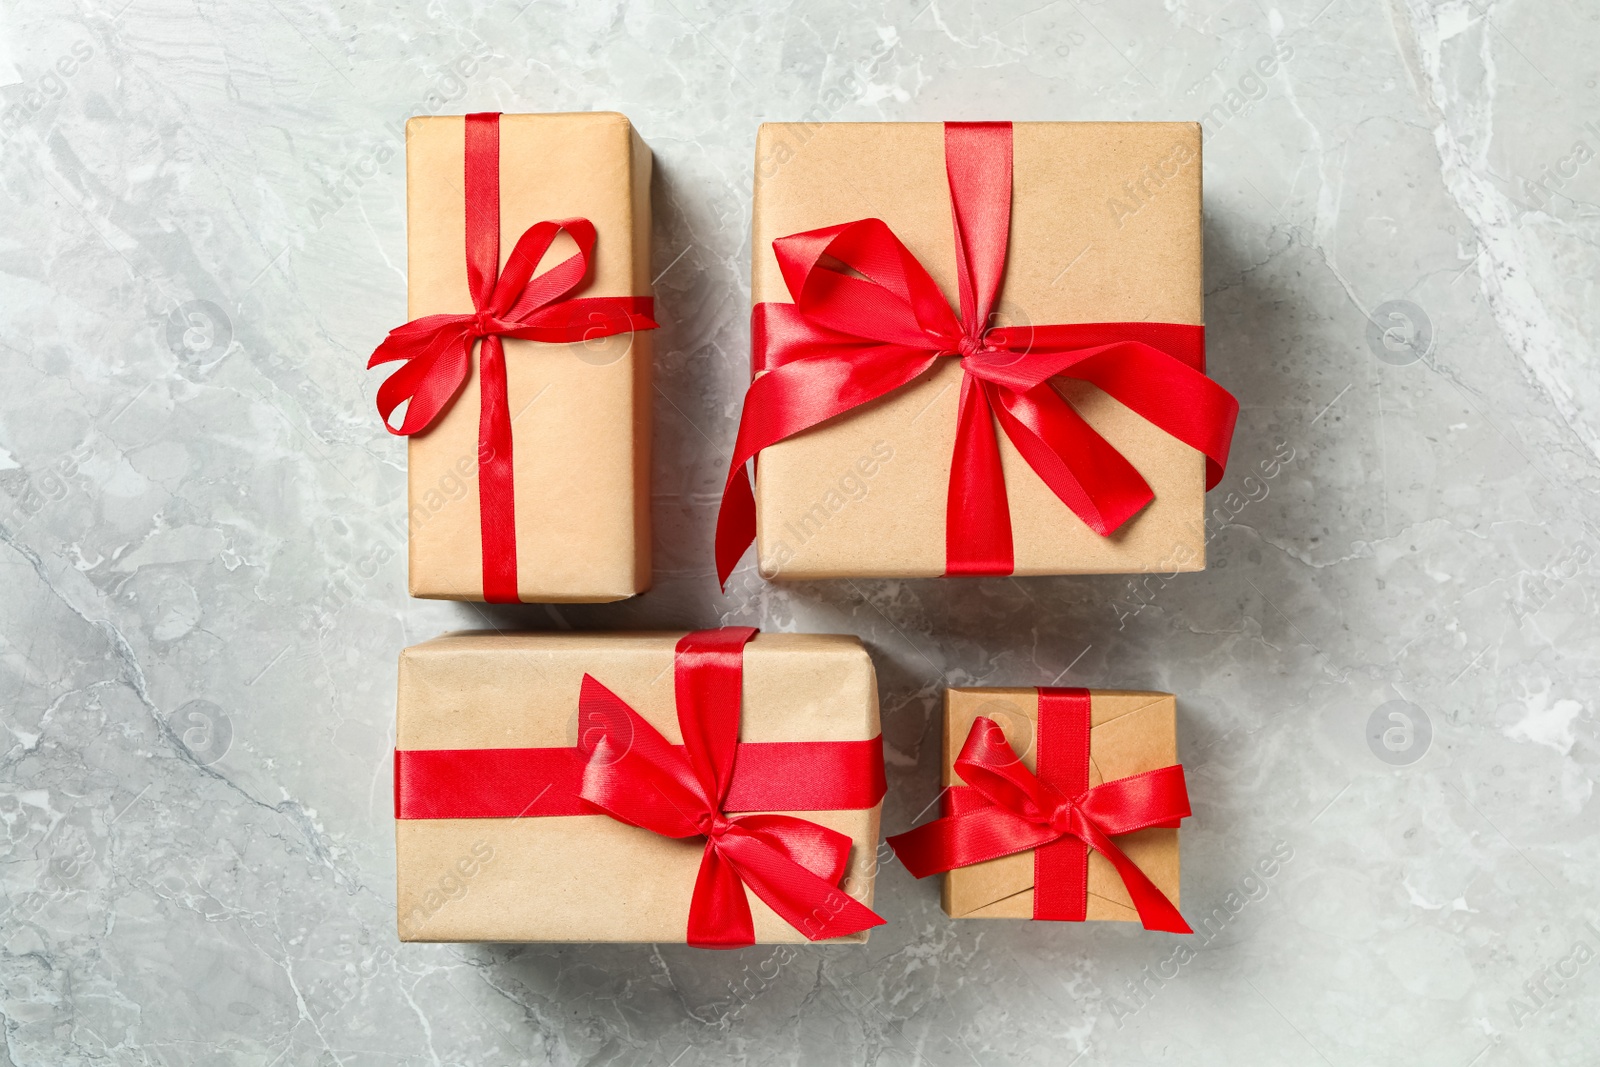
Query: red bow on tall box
point(719, 787)
point(998, 368)
point(523, 377)
point(1059, 804)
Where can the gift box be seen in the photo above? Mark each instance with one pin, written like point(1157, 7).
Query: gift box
point(998, 368)
point(637, 787)
point(1058, 804)
point(527, 358)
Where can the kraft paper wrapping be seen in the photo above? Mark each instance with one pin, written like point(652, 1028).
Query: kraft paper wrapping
point(1105, 227)
point(580, 412)
point(1129, 732)
point(589, 877)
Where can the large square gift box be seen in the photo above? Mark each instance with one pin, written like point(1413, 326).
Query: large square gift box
point(525, 368)
point(977, 348)
point(1059, 804)
point(718, 787)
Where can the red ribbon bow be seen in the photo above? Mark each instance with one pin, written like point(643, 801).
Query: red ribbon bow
point(850, 338)
point(1006, 808)
point(437, 349)
point(636, 777)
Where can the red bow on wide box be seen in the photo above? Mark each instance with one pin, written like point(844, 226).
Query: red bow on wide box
point(437, 349)
point(624, 768)
point(1005, 808)
point(857, 333)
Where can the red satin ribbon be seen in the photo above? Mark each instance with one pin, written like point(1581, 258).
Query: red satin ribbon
point(849, 338)
point(637, 778)
point(508, 783)
point(1005, 809)
point(437, 349)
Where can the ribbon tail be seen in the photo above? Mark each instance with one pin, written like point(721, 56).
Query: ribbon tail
point(792, 398)
point(1156, 912)
point(974, 836)
point(977, 515)
point(1170, 395)
point(719, 911)
point(1088, 475)
point(736, 523)
point(817, 908)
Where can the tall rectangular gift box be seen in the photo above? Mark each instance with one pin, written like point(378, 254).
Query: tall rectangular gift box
point(986, 352)
point(528, 471)
point(637, 787)
point(1058, 804)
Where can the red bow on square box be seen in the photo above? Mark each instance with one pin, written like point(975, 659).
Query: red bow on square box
point(1004, 808)
point(624, 768)
point(437, 349)
point(867, 319)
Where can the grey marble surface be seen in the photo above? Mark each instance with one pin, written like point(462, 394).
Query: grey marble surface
point(201, 536)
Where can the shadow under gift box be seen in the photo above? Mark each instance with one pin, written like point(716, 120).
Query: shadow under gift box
point(1130, 732)
point(1105, 227)
point(580, 412)
point(581, 878)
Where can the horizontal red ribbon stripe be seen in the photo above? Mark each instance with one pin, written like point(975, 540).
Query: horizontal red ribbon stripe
point(508, 783)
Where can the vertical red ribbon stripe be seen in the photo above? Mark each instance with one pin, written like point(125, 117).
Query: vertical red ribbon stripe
point(496, 488)
point(1061, 868)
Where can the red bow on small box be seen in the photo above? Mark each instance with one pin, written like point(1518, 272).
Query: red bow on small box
point(636, 777)
point(850, 338)
point(1006, 808)
point(437, 349)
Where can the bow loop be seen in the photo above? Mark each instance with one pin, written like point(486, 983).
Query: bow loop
point(859, 279)
point(633, 774)
point(988, 765)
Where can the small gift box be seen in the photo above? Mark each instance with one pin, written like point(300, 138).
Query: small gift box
point(998, 368)
point(719, 788)
point(1059, 804)
point(525, 367)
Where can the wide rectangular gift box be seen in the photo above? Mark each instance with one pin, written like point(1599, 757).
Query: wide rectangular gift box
point(579, 411)
point(528, 875)
point(1105, 227)
point(1130, 733)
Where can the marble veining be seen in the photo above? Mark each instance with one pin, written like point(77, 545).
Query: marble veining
point(1386, 678)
